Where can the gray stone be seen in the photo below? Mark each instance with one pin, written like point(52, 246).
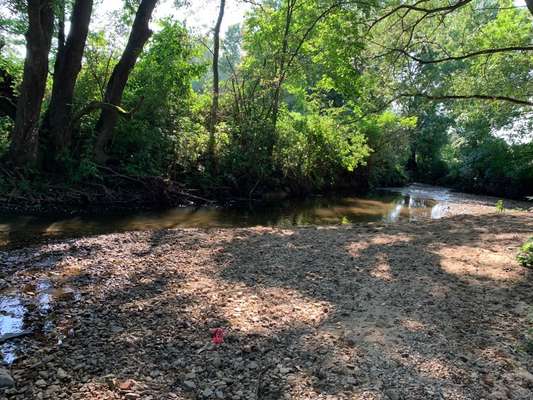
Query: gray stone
point(392, 394)
point(61, 374)
point(40, 383)
point(189, 385)
point(6, 380)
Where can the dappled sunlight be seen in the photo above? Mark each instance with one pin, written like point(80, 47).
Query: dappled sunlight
point(357, 247)
point(472, 262)
point(413, 325)
point(264, 310)
point(382, 270)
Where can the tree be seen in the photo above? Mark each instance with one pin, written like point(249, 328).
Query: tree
point(139, 35)
point(25, 136)
point(67, 67)
point(216, 88)
point(415, 38)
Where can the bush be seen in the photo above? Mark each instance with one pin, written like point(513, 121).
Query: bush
point(313, 149)
point(525, 254)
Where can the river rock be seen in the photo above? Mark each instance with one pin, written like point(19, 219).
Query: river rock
point(61, 374)
point(6, 381)
point(392, 394)
point(525, 376)
point(40, 383)
point(189, 385)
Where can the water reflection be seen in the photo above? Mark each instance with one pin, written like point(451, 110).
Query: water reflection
point(383, 206)
point(19, 308)
point(12, 313)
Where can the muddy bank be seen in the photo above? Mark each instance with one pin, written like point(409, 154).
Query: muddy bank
point(422, 310)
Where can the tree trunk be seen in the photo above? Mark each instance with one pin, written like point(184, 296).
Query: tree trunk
point(25, 136)
point(139, 35)
point(282, 63)
point(216, 88)
point(66, 69)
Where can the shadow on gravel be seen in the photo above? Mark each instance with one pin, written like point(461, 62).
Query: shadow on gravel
point(417, 311)
point(406, 311)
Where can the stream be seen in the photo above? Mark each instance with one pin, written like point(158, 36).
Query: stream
point(391, 205)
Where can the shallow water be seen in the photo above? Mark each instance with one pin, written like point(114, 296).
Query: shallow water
point(385, 205)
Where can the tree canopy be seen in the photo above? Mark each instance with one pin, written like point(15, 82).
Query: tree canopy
point(303, 95)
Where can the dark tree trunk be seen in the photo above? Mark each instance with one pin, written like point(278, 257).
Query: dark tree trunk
point(216, 88)
point(139, 35)
point(66, 69)
point(25, 136)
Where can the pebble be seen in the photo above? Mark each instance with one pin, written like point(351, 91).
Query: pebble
point(189, 385)
point(6, 380)
point(61, 374)
point(392, 394)
point(40, 383)
point(526, 376)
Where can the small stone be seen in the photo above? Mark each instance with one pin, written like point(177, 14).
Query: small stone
point(61, 374)
point(132, 396)
point(253, 365)
point(392, 394)
point(6, 380)
point(207, 392)
point(189, 385)
point(497, 395)
point(525, 376)
point(127, 384)
point(40, 383)
point(52, 389)
point(219, 394)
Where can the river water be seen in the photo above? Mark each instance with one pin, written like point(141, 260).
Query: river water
point(391, 205)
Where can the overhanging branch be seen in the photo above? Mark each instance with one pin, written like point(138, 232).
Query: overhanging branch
point(469, 97)
point(417, 8)
point(468, 55)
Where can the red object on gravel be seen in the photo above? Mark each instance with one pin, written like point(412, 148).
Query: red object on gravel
point(217, 336)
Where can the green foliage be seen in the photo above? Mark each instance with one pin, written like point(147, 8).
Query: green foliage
point(311, 99)
point(5, 127)
point(499, 206)
point(312, 150)
point(147, 143)
point(525, 254)
point(388, 137)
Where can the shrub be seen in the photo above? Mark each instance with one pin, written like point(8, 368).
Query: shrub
point(525, 254)
point(313, 149)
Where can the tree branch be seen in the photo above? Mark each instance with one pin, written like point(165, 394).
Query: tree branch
point(416, 7)
point(468, 55)
point(469, 97)
point(100, 105)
